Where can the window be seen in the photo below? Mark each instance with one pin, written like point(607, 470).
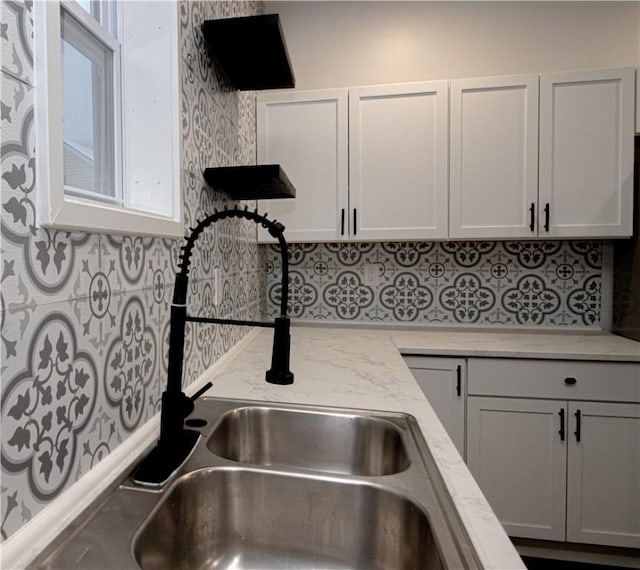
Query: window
point(90, 87)
point(108, 116)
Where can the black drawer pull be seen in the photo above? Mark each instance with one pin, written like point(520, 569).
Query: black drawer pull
point(561, 432)
point(459, 381)
point(570, 381)
point(342, 223)
point(355, 221)
point(578, 431)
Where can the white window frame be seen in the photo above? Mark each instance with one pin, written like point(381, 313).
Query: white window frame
point(60, 210)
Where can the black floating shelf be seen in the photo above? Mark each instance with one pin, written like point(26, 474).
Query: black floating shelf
point(262, 182)
point(251, 50)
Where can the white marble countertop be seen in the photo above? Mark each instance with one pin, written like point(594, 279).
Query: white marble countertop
point(517, 344)
point(342, 366)
point(362, 368)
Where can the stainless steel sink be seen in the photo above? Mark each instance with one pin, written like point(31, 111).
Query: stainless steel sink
point(307, 439)
point(244, 518)
point(279, 486)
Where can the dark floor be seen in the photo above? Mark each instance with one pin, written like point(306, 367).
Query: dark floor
point(548, 564)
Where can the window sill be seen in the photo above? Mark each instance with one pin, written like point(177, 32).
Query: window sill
point(79, 215)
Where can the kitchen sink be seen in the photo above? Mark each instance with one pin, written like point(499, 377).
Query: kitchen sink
point(244, 518)
point(311, 440)
point(279, 486)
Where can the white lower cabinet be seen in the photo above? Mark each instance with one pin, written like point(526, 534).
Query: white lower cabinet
point(443, 381)
point(559, 468)
point(603, 477)
point(518, 458)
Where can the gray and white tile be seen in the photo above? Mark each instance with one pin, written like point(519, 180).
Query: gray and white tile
point(462, 283)
point(16, 37)
point(97, 306)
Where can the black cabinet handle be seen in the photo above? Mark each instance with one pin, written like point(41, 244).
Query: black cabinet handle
point(532, 214)
point(578, 431)
point(546, 217)
point(570, 381)
point(459, 380)
point(561, 432)
point(355, 221)
point(342, 222)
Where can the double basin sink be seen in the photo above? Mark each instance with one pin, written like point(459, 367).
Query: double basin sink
point(280, 486)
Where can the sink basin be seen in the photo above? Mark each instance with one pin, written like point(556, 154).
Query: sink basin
point(279, 486)
point(244, 518)
point(310, 440)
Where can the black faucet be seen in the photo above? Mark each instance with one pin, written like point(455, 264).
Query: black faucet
point(176, 442)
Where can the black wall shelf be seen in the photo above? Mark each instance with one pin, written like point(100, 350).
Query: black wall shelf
point(251, 50)
point(262, 182)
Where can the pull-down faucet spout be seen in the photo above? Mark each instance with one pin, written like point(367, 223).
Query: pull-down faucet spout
point(176, 442)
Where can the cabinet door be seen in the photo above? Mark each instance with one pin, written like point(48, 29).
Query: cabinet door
point(518, 457)
point(586, 153)
point(443, 382)
point(306, 133)
point(398, 152)
point(494, 157)
point(603, 502)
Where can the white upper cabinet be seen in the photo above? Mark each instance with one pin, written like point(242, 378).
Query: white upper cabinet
point(306, 133)
point(398, 140)
point(382, 177)
point(562, 168)
point(494, 157)
point(511, 157)
point(586, 153)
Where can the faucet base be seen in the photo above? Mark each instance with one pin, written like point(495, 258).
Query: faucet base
point(165, 459)
point(279, 372)
point(279, 377)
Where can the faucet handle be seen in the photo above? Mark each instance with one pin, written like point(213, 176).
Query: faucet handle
point(202, 390)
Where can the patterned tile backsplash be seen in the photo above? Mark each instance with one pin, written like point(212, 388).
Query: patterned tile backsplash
point(85, 317)
point(455, 284)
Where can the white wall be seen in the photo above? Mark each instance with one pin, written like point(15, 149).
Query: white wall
point(337, 44)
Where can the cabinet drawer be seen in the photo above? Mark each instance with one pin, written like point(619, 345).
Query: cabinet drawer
point(604, 381)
